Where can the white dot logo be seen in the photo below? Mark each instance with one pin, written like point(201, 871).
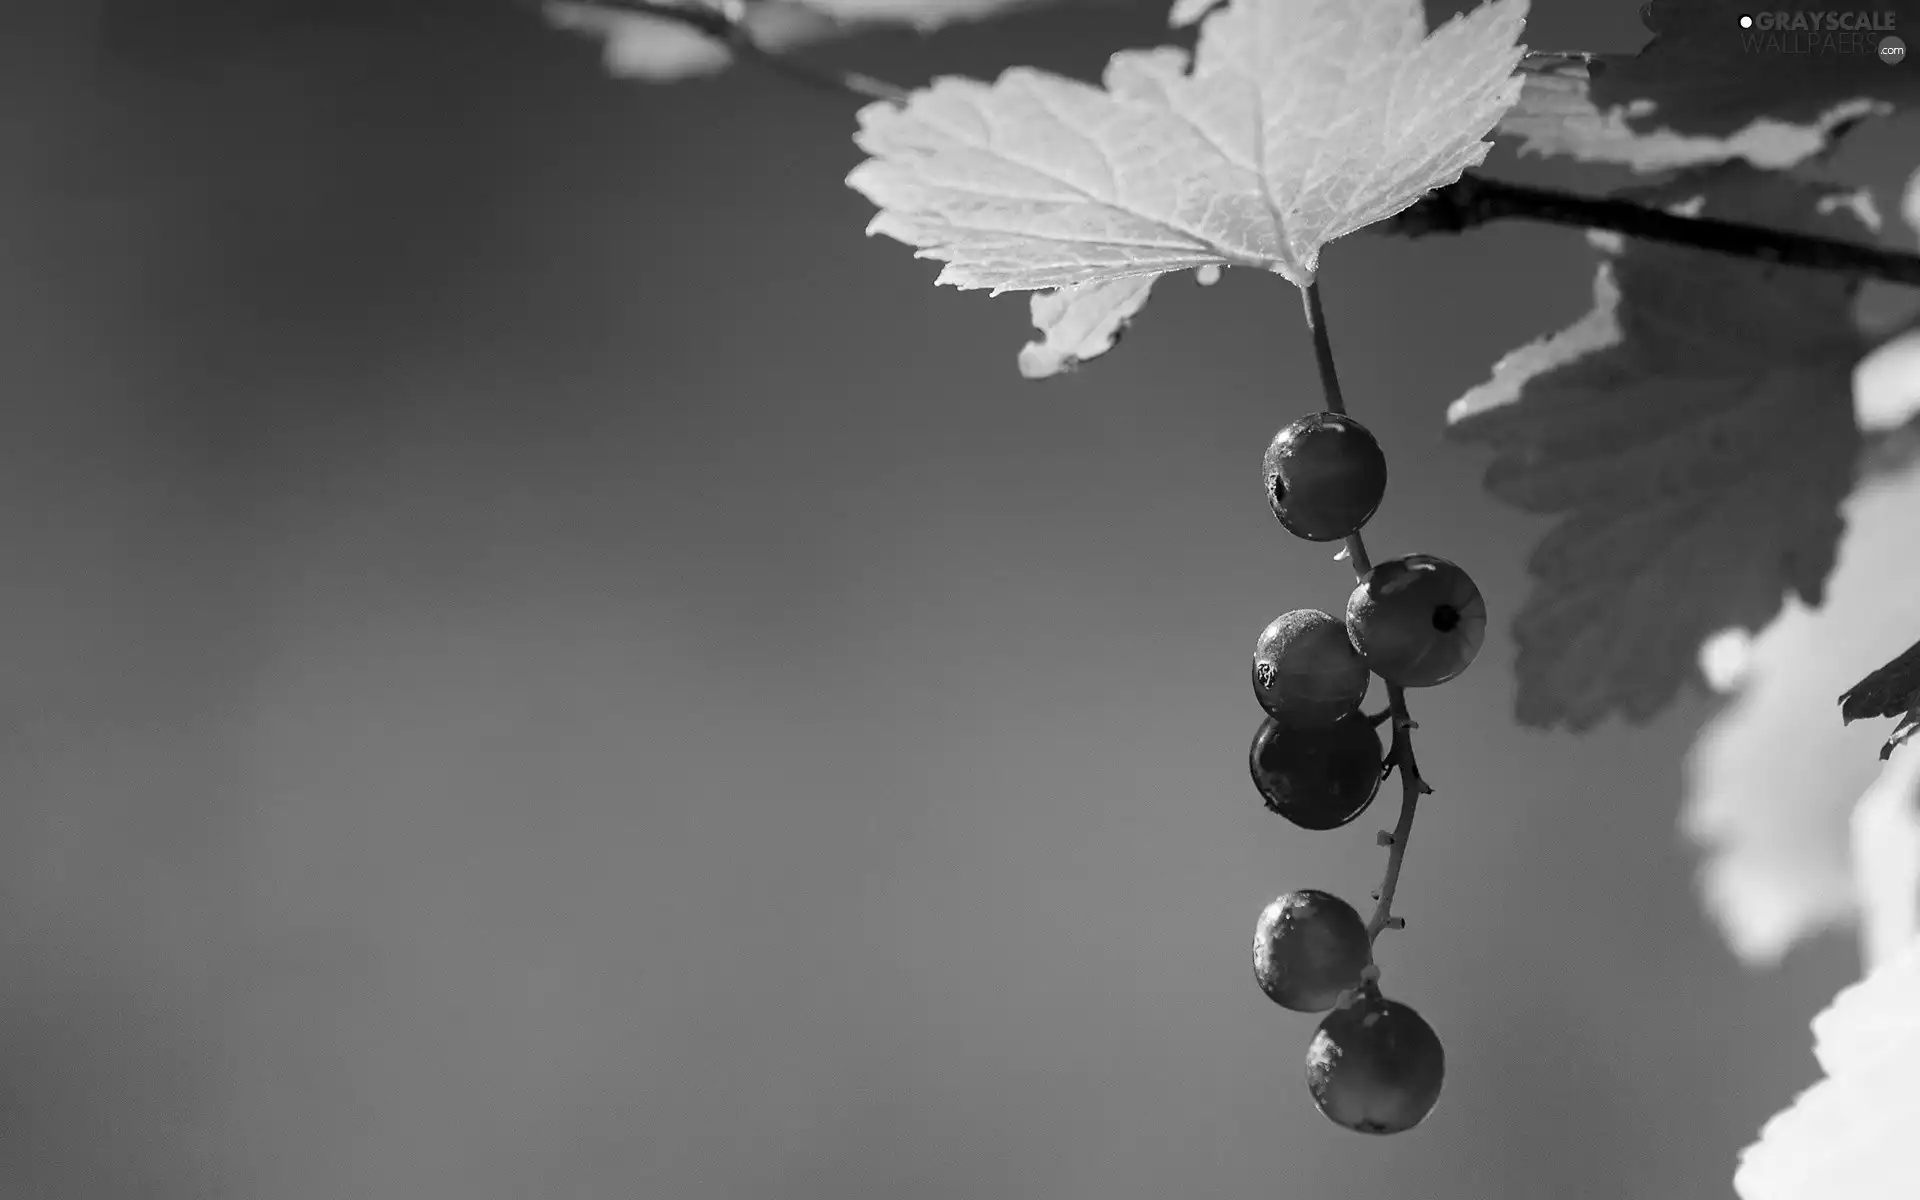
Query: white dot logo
point(1892, 50)
point(1746, 22)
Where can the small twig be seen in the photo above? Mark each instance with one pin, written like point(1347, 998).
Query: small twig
point(1400, 756)
point(1473, 201)
point(1412, 787)
point(727, 29)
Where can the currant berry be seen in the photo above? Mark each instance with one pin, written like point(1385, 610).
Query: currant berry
point(1325, 476)
point(1305, 669)
point(1417, 621)
point(1375, 1066)
point(1317, 776)
point(1308, 947)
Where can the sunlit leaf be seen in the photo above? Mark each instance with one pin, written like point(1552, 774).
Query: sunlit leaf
point(1299, 122)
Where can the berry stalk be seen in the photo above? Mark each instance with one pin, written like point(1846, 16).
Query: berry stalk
point(1412, 787)
point(1330, 385)
point(1401, 756)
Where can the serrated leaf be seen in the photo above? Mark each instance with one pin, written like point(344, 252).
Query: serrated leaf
point(1556, 115)
point(1695, 433)
point(1773, 780)
point(1851, 1134)
point(1300, 122)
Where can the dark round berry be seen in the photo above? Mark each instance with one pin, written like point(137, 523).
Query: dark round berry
point(1325, 476)
point(1417, 621)
point(1317, 776)
point(1305, 669)
point(1308, 947)
point(1375, 1066)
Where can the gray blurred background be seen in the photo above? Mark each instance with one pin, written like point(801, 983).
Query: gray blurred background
point(539, 662)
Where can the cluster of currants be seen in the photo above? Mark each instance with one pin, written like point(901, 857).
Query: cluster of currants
point(1374, 1065)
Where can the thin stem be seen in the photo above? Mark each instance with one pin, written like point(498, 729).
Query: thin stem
point(1412, 787)
point(1473, 201)
point(1322, 347)
point(1336, 402)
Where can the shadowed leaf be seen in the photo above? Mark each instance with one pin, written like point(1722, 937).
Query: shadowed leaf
point(1695, 434)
